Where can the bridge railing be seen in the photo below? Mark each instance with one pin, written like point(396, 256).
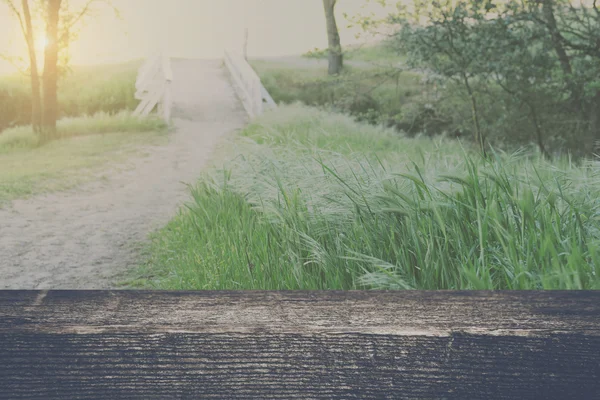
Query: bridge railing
point(153, 87)
point(248, 85)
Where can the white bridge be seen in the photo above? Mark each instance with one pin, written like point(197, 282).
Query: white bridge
point(155, 77)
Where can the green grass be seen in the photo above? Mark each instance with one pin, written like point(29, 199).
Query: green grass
point(378, 52)
point(87, 143)
point(313, 200)
point(103, 88)
point(369, 52)
point(84, 91)
point(288, 83)
point(372, 93)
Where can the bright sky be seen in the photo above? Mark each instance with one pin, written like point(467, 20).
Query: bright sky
point(196, 28)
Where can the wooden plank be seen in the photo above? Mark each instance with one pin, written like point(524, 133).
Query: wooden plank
point(239, 86)
point(153, 87)
point(299, 345)
point(167, 99)
point(166, 69)
point(147, 71)
point(247, 84)
point(148, 103)
point(267, 97)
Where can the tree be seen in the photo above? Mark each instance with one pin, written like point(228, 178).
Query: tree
point(572, 33)
point(50, 77)
point(529, 69)
point(333, 37)
point(522, 71)
point(24, 17)
point(60, 19)
point(445, 47)
point(36, 100)
point(575, 31)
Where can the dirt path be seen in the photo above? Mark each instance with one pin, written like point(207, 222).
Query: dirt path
point(88, 237)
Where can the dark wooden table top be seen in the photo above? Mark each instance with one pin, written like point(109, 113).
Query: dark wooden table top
point(299, 345)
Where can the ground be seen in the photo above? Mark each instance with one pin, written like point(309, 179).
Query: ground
point(87, 238)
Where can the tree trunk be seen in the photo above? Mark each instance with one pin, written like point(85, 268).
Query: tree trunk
point(557, 39)
point(563, 57)
point(538, 131)
point(333, 36)
point(36, 99)
point(50, 78)
point(594, 116)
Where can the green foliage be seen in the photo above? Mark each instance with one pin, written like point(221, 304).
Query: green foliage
point(374, 93)
point(109, 94)
point(314, 200)
point(15, 104)
point(316, 53)
point(22, 137)
point(85, 91)
point(378, 53)
point(515, 78)
point(532, 62)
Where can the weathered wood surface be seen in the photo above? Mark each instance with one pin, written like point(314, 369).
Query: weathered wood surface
point(300, 345)
point(153, 87)
point(248, 85)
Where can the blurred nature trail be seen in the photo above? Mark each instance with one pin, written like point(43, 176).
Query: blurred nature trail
point(88, 237)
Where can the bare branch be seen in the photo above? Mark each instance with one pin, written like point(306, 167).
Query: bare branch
point(11, 61)
point(17, 13)
point(85, 10)
point(82, 13)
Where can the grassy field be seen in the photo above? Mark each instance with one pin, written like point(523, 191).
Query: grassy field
point(86, 144)
point(84, 91)
point(372, 92)
point(96, 129)
point(376, 52)
point(375, 86)
point(314, 200)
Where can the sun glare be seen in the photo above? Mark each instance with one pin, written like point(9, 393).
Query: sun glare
point(42, 43)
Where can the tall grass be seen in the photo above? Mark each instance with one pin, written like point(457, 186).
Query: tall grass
point(313, 200)
point(23, 137)
point(84, 91)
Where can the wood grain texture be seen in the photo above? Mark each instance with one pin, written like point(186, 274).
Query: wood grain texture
point(299, 345)
point(254, 96)
point(153, 87)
